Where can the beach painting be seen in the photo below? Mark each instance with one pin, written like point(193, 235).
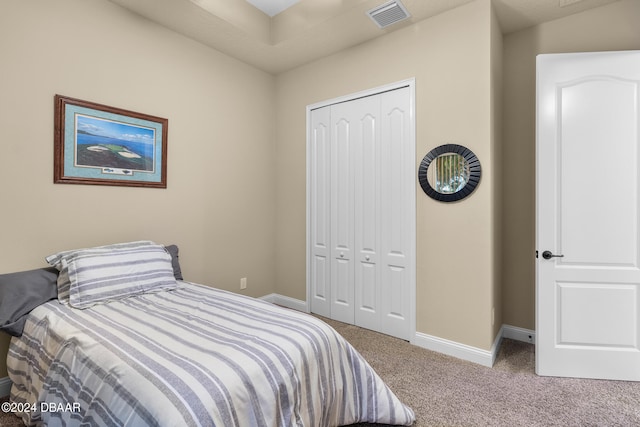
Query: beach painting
point(98, 144)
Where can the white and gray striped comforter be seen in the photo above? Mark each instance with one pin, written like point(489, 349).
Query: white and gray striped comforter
point(195, 356)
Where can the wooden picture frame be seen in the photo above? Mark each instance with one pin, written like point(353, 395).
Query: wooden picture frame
point(100, 145)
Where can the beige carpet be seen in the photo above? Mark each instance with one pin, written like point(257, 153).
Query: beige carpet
point(445, 391)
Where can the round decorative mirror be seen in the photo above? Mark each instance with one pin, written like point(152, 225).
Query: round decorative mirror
point(449, 173)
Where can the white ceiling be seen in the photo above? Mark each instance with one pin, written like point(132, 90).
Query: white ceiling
point(273, 7)
point(305, 30)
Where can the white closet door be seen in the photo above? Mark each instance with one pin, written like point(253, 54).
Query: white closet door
point(361, 205)
point(397, 214)
point(344, 134)
point(319, 233)
point(367, 180)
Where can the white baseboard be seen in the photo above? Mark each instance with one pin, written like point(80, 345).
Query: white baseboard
point(473, 354)
point(519, 334)
point(430, 342)
point(5, 386)
point(455, 349)
point(288, 302)
point(495, 348)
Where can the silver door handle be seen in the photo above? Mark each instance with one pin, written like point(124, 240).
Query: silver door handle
point(549, 255)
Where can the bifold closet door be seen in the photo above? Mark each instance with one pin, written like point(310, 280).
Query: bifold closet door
point(320, 214)
point(355, 136)
point(362, 213)
point(381, 168)
point(396, 214)
point(367, 181)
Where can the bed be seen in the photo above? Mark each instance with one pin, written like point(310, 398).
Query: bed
point(175, 353)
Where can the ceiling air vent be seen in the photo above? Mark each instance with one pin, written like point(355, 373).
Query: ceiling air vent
point(388, 14)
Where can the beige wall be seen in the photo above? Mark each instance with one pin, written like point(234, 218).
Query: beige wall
point(611, 27)
point(219, 205)
point(449, 55)
point(496, 171)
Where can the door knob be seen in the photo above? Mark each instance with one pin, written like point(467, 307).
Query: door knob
point(367, 258)
point(549, 255)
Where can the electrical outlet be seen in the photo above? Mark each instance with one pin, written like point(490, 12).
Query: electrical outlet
point(243, 283)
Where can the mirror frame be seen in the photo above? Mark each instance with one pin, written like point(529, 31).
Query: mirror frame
point(475, 171)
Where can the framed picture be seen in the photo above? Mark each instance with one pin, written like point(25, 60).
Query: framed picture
point(100, 145)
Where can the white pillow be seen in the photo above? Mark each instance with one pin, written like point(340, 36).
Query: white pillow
point(119, 273)
point(61, 261)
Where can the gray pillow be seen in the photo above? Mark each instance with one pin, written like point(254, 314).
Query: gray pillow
point(175, 261)
point(23, 291)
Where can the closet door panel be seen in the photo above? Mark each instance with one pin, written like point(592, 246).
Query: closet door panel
point(320, 220)
point(367, 212)
point(342, 292)
point(342, 187)
point(395, 306)
point(396, 171)
point(367, 296)
point(342, 213)
point(366, 184)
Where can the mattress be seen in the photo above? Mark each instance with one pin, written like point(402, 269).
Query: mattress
point(193, 356)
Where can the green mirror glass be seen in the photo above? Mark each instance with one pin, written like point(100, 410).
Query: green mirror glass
point(449, 173)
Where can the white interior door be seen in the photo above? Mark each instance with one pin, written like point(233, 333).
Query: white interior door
point(588, 163)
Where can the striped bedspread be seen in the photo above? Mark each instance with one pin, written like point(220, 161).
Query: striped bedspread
point(195, 356)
